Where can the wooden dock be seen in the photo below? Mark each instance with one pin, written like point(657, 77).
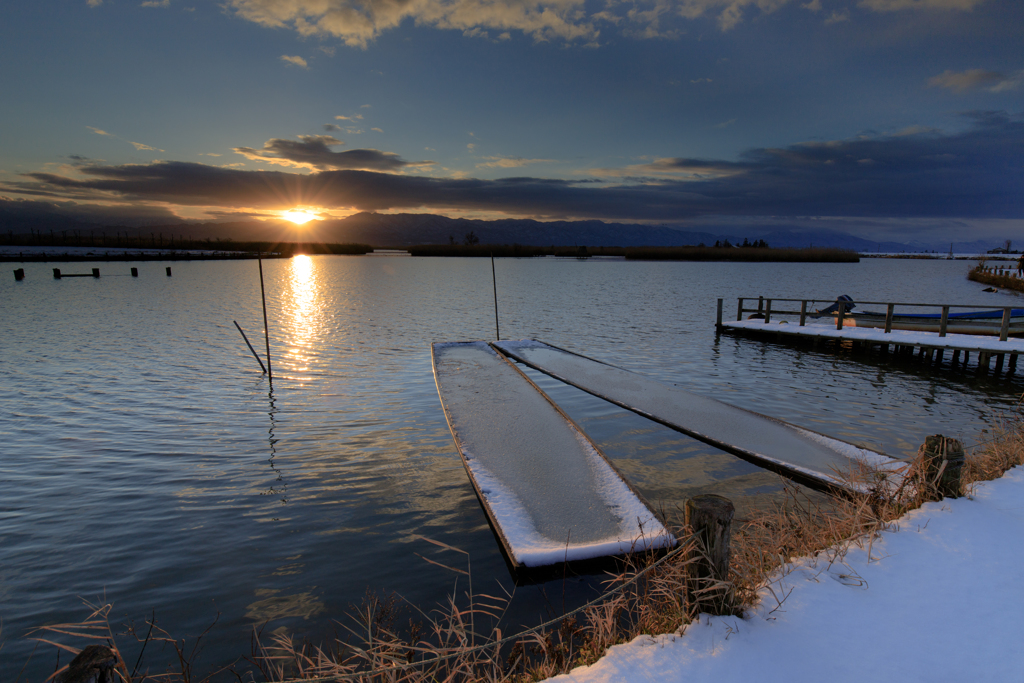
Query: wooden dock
point(549, 493)
point(770, 321)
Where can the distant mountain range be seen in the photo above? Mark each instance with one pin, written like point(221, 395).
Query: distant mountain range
point(399, 230)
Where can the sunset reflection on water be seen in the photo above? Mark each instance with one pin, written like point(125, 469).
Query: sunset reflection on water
point(303, 309)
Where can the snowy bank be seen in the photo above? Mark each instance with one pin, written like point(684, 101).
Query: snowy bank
point(937, 599)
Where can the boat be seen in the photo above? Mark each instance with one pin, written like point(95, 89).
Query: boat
point(987, 322)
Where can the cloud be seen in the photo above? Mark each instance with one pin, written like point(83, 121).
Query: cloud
point(725, 124)
point(23, 214)
point(332, 127)
point(98, 131)
point(357, 117)
point(94, 3)
point(157, 3)
point(971, 174)
point(377, 130)
point(357, 23)
point(139, 146)
point(314, 152)
point(838, 17)
point(511, 162)
point(897, 5)
point(976, 79)
point(295, 61)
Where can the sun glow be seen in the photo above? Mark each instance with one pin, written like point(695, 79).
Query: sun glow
point(298, 216)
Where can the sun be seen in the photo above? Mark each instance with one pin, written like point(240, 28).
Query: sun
point(298, 216)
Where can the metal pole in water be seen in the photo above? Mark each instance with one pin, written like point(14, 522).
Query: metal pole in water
point(254, 354)
point(494, 281)
point(266, 330)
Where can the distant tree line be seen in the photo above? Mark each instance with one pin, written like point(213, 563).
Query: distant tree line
point(747, 244)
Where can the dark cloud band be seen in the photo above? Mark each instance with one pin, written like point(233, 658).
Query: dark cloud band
point(977, 173)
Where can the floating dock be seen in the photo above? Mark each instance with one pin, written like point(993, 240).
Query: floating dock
point(932, 346)
point(805, 456)
point(550, 494)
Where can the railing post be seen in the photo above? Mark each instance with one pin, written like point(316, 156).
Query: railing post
point(841, 314)
point(888, 318)
point(944, 321)
point(760, 305)
point(718, 320)
point(768, 311)
point(803, 312)
point(1004, 331)
point(739, 310)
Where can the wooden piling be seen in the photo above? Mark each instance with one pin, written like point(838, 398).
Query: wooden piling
point(168, 271)
point(266, 327)
point(56, 273)
point(135, 272)
point(999, 362)
point(95, 272)
point(254, 354)
point(944, 461)
point(19, 274)
point(709, 519)
point(494, 283)
point(718, 319)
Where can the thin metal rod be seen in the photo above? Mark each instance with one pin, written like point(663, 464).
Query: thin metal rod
point(494, 281)
point(266, 329)
point(254, 354)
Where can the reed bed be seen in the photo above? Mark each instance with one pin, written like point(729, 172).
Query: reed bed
point(752, 254)
point(985, 275)
point(388, 640)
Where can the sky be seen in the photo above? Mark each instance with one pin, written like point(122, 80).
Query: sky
point(889, 119)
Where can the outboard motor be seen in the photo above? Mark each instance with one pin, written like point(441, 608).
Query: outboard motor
point(834, 308)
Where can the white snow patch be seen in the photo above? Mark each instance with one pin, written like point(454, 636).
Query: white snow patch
point(937, 600)
point(909, 338)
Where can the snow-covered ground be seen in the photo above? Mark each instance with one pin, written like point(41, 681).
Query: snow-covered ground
point(939, 599)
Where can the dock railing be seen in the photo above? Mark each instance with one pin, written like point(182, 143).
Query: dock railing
point(839, 308)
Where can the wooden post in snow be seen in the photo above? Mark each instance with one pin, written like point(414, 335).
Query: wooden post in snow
point(944, 461)
point(709, 519)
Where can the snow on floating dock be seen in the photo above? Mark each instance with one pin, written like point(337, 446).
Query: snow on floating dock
point(933, 601)
point(961, 342)
point(806, 456)
point(549, 492)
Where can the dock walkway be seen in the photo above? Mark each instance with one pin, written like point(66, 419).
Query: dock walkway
point(800, 454)
point(931, 346)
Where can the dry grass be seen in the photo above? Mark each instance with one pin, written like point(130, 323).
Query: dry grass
point(391, 641)
point(987, 277)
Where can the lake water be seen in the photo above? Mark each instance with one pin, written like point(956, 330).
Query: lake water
point(145, 461)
